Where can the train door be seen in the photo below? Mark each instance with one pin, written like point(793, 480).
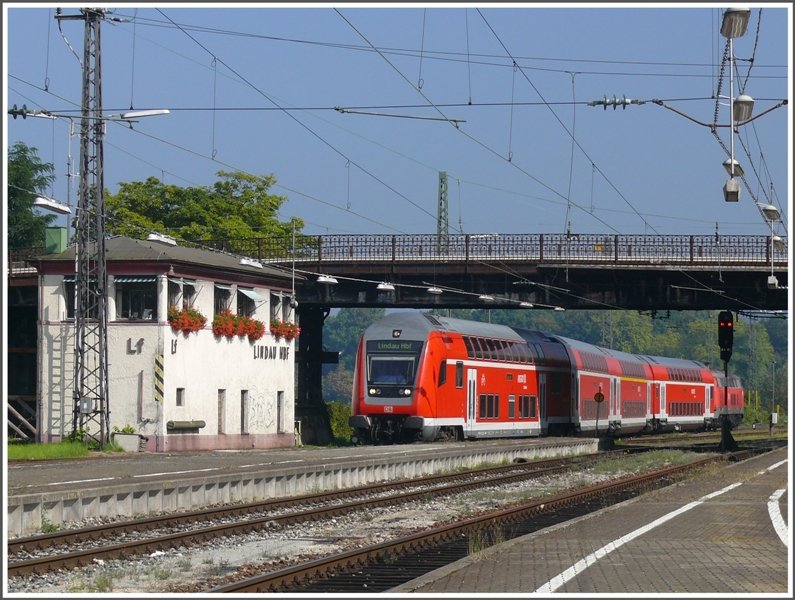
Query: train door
point(663, 408)
point(575, 398)
point(614, 399)
point(542, 400)
point(708, 401)
point(472, 400)
point(648, 398)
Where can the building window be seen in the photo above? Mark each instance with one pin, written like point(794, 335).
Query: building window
point(247, 300)
point(136, 298)
point(222, 297)
point(69, 297)
point(181, 292)
point(221, 411)
point(276, 306)
point(243, 411)
point(180, 396)
point(280, 411)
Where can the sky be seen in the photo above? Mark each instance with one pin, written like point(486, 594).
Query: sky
point(495, 96)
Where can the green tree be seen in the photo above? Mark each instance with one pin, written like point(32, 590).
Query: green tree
point(237, 207)
point(343, 331)
point(27, 178)
point(338, 385)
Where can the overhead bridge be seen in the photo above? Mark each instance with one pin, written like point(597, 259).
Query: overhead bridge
point(575, 271)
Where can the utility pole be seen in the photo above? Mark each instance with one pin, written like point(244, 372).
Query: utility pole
point(442, 223)
point(90, 388)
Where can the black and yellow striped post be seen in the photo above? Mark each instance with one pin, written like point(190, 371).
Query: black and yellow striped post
point(159, 377)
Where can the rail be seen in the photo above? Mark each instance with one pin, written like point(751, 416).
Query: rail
point(591, 249)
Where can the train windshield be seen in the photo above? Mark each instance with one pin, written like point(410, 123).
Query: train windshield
point(391, 370)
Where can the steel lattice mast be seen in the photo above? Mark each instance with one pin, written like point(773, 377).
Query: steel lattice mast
point(90, 392)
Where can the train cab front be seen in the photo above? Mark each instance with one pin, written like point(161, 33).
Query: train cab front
point(384, 409)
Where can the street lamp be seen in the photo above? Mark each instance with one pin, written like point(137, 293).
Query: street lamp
point(772, 214)
point(735, 22)
point(53, 205)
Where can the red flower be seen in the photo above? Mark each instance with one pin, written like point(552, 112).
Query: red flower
point(186, 320)
point(228, 325)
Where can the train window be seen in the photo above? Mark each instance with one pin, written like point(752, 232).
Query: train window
point(442, 373)
point(509, 376)
point(502, 354)
point(511, 406)
point(477, 347)
point(527, 407)
point(492, 411)
point(488, 406)
point(459, 374)
point(525, 353)
point(395, 370)
point(470, 347)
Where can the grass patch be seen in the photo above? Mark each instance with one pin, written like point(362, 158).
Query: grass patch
point(47, 451)
point(646, 461)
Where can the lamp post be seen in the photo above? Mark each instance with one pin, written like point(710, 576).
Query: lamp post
point(735, 23)
point(771, 214)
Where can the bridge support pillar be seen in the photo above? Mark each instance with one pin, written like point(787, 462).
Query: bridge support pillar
point(310, 408)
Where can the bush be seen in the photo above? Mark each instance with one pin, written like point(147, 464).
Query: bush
point(338, 415)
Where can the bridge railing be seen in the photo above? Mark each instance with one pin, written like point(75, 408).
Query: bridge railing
point(680, 250)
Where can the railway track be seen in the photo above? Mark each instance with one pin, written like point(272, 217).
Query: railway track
point(381, 567)
point(81, 547)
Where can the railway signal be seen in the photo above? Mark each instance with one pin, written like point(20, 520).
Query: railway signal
point(725, 342)
point(725, 334)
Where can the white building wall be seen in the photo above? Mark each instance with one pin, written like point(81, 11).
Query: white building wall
point(199, 362)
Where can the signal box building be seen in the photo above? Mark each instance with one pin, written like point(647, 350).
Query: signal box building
point(178, 383)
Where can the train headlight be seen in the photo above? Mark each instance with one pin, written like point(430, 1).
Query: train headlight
point(372, 391)
point(407, 391)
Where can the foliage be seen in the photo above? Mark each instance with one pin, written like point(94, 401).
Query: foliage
point(284, 329)
point(338, 384)
point(237, 207)
point(27, 177)
point(125, 429)
point(186, 320)
point(30, 451)
point(228, 324)
point(343, 331)
point(338, 416)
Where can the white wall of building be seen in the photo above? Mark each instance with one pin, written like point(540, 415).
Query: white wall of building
point(257, 377)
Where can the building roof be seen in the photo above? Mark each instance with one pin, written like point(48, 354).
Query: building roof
point(121, 248)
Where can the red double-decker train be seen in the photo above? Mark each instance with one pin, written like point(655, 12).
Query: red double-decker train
point(425, 377)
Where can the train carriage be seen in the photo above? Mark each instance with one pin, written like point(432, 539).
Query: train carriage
point(423, 377)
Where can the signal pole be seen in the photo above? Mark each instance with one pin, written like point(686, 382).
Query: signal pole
point(90, 387)
point(726, 341)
